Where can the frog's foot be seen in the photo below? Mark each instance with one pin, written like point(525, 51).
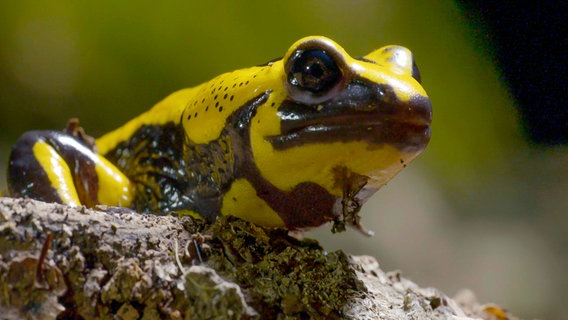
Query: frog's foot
point(55, 166)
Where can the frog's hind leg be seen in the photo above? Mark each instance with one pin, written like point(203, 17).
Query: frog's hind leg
point(56, 167)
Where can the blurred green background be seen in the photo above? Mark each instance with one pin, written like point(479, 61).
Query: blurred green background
point(481, 209)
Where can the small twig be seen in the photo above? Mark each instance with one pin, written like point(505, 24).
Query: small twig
point(44, 250)
point(178, 261)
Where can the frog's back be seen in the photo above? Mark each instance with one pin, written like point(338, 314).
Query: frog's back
point(167, 111)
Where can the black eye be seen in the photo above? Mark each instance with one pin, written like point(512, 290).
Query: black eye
point(314, 71)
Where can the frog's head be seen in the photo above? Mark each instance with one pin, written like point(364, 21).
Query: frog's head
point(345, 124)
point(332, 97)
point(325, 126)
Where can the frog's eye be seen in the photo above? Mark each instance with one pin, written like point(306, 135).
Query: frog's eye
point(313, 75)
point(313, 70)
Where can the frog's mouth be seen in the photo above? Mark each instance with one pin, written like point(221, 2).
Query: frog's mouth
point(360, 113)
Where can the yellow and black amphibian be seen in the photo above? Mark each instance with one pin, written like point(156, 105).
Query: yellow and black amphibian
point(295, 143)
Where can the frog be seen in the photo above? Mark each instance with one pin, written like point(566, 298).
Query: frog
point(296, 143)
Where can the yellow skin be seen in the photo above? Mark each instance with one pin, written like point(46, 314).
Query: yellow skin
point(294, 143)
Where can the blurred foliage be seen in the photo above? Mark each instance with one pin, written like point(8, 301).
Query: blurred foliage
point(107, 61)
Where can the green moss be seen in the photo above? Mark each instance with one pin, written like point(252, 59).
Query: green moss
point(282, 277)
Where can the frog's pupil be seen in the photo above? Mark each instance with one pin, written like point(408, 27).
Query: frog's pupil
point(315, 71)
point(311, 75)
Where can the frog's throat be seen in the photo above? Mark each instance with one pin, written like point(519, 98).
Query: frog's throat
point(291, 205)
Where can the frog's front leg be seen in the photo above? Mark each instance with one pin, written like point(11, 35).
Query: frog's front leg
point(55, 166)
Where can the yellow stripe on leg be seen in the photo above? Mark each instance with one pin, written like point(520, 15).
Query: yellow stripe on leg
point(57, 172)
point(115, 189)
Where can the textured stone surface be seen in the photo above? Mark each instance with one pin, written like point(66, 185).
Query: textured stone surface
point(62, 262)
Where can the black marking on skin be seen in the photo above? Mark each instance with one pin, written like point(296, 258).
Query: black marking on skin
point(153, 160)
point(366, 60)
point(26, 177)
point(415, 71)
point(270, 62)
point(306, 205)
point(211, 170)
point(361, 112)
